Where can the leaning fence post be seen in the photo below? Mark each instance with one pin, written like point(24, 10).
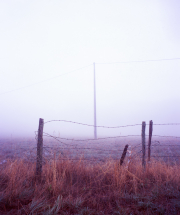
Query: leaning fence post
point(123, 155)
point(39, 150)
point(150, 137)
point(143, 145)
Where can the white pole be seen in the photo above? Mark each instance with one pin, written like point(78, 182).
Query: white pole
point(95, 128)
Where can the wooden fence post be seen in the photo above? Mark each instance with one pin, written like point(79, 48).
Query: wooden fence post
point(150, 137)
point(39, 150)
point(143, 145)
point(123, 155)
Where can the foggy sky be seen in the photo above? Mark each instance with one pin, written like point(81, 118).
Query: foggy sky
point(40, 40)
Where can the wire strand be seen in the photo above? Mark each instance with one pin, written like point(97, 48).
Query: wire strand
point(99, 126)
point(168, 124)
point(142, 61)
point(164, 136)
point(101, 138)
point(116, 150)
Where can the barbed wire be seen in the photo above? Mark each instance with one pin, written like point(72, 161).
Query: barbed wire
point(75, 147)
point(164, 136)
point(100, 158)
point(168, 124)
point(98, 126)
point(165, 156)
point(135, 155)
point(56, 138)
point(101, 138)
point(137, 146)
point(78, 159)
point(165, 145)
point(116, 150)
point(87, 159)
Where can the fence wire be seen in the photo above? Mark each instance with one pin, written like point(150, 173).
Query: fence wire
point(87, 153)
point(98, 126)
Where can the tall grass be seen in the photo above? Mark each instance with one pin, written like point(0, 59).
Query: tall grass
point(79, 187)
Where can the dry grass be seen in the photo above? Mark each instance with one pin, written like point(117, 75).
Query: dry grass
point(76, 187)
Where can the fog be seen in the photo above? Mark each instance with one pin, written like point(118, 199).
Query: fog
point(46, 66)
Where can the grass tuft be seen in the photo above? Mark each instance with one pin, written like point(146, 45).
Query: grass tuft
point(81, 188)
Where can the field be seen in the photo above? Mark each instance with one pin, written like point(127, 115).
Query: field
point(84, 177)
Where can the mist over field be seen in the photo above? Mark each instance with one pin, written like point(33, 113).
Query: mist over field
point(46, 66)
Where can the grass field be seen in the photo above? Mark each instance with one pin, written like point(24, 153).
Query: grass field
point(89, 181)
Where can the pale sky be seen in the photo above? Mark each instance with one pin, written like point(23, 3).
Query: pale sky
point(40, 40)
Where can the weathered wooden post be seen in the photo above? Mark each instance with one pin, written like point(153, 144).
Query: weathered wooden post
point(150, 137)
point(39, 150)
point(143, 145)
point(123, 155)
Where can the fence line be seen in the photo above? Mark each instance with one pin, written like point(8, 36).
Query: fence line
point(101, 138)
point(135, 154)
point(150, 134)
point(165, 136)
point(165, 145)
point(95, 157)
point(168, 124)
point(88, 149)
point(100, 126)
point(136, 146)
point(166, 156)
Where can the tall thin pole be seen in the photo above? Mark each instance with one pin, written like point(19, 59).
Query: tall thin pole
point(95, 128)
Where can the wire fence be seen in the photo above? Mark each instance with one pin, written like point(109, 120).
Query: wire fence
point(99, 151)
point(90, 149)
